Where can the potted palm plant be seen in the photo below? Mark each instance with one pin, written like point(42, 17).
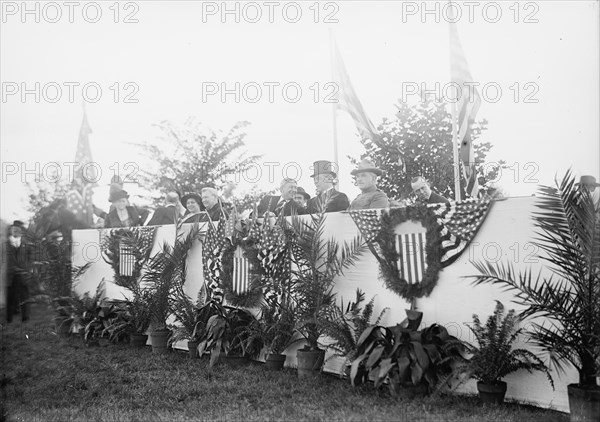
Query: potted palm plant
point(315, 264)
point(164, 271)
point(493, 358)
point(568, 224)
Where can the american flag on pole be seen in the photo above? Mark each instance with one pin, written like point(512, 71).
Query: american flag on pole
point(79, 198)
point(348, 100)
point(468, 104)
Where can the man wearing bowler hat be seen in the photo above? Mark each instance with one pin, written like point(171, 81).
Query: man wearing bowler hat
point(366, 175)
point(328, 199)
point(301, 197)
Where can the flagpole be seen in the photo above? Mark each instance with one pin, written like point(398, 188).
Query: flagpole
point(457, 195)
point(455, 159)
point(334, 105)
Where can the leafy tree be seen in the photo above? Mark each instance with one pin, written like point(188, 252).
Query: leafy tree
point(192, 156)
point(44, 190)
point(421, 136)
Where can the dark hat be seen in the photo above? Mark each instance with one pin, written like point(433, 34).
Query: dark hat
point(18, 223)
point(587, 180)
point(116, 180)
point(185, 198)
point(302, 192)
point(324, 167)
point(116, 195)
point(366, 166)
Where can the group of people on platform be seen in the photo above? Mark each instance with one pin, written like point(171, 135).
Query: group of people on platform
point(292, 199)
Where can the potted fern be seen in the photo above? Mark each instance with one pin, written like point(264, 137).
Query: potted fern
point(315, 264)
point(274, 329)
point(493, 357)
point(188, 315)
point(568, 233)
point(346, 325)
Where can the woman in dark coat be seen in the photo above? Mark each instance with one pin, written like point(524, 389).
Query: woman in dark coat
point(122, 215)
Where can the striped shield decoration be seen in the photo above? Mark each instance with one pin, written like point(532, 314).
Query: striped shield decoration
point(412, 257)
point(241, 271)
point(126, 259)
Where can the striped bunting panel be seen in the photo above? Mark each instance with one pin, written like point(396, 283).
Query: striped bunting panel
point(412, 257)
point(241, 272)
point(457, 225)
point(126, 259)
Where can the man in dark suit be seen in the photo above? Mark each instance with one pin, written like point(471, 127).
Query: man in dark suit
point(328, 199)
point(167, 214)
point(18, 272)
point(421, 188)
point(212, 204)
point(284, 203)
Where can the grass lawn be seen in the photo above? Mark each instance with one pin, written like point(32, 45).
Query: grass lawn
point(47, 378)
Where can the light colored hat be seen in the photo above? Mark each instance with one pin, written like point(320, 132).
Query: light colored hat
point(587, 180)
point(366, 166)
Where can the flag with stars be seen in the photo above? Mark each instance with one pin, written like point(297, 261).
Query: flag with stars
point(458, 223)
point(273, 255)
point(369, 225)
point(79, 198)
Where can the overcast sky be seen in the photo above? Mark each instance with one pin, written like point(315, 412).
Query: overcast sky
point(162, 57)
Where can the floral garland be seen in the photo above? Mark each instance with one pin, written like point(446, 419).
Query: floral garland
point(140, 240)
point(388, 264)
point(251, 297)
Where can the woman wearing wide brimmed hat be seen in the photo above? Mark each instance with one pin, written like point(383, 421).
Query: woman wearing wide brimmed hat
point(122, 215)
point(366, 175)
point(194, 208)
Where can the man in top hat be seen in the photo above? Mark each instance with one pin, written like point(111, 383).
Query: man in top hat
point(328, 199)
point(421, 188)
point(301, 197)
point(366, 175)
point(167, 214)
point(283, 204)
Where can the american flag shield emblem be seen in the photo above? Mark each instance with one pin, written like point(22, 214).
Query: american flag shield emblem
point(241, 271)
point(126, 259)
point(412, 257)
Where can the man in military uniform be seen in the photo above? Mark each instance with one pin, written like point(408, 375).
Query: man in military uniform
point(366, 175)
